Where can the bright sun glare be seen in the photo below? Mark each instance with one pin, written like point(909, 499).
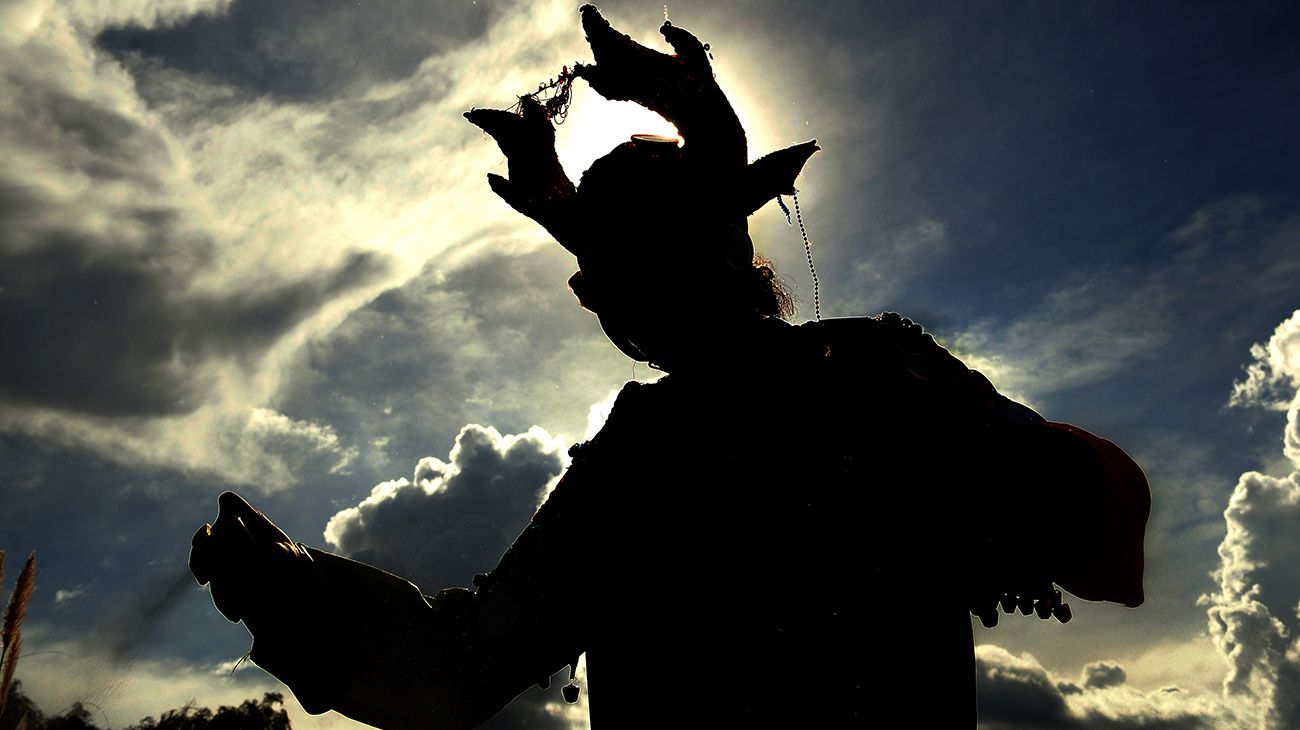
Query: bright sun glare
point(595, 125)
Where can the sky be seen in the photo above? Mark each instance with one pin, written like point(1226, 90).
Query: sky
point(249, 245)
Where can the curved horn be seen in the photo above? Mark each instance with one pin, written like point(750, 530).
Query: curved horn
point(680, 87)
point(538, 186)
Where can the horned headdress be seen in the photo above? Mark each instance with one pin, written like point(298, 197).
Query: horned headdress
point(687, 203)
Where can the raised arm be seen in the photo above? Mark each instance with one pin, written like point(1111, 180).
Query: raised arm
point(349, 637)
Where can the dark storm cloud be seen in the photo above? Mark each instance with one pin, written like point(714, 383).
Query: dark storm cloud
point(303, 49)
point(1017, 693)
point(87, 135)
point(101, 308)
point(90, 330)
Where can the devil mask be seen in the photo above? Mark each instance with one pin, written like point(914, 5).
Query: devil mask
point(650, 205)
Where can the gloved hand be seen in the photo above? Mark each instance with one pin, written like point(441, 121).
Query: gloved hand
point(253, 567)
point(261, 577)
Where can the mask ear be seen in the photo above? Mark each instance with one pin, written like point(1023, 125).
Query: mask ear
point(772, 175)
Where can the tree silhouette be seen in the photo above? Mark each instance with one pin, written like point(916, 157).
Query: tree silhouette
point(267, 713)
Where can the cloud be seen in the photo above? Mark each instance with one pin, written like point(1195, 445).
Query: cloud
point(1273, 381)
point(107, 335)
point(496, 339)
point(898, 255)
point(599, 413)
point(120, 334)
point(1194, 664)
point(104, 310)
point(92, 16)
point(1075, 336)
point(453, 518)
point(1103, 319)
point(1099, 675)
point(255, 447)
point(62, 596)
point(169, 241)
point(541, 709)
point(1253, 616)
point(20, 19)
point(1016, 692)
point(298, 49)
point(278, 450)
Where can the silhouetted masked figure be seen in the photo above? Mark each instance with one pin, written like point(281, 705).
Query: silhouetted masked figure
point(790, 529)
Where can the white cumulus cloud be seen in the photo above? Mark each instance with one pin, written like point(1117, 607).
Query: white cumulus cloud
point(1254, 615)
point(1273, 381)
point(452, 518)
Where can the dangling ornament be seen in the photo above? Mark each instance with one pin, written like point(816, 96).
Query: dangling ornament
point(571, 690)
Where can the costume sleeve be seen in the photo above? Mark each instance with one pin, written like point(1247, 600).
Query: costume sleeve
point(1055, 502)
point(368, 644)
point(1109, 558)
point(1078, 499)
